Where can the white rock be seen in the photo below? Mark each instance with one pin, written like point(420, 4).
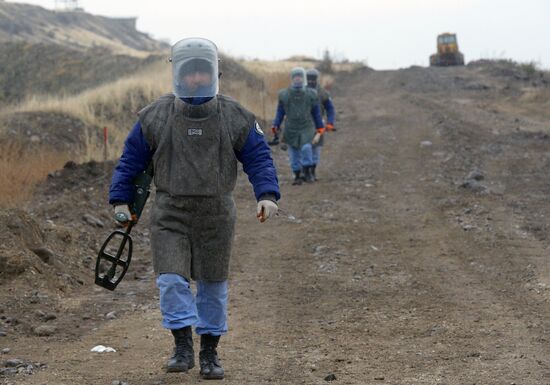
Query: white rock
point(110, 315)
point(102, 349)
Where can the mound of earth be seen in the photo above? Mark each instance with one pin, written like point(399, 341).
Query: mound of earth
point(54, 130)
point(53, 69)
point(21, 244)
point(483, 76)
point(37, 266)
point(48, 252)
point(524, 72)
point(54, 235)
point(233, 71)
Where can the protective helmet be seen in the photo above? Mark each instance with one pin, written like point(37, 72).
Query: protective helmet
point(195, 68)
point(298, 78)
point(312, 76)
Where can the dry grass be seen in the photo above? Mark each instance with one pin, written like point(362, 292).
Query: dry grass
point(262, 101)
point(262, 67)
point(21, 170)
point(90, 39)
point(113, 105)
point(276, 76)
point(90, 105)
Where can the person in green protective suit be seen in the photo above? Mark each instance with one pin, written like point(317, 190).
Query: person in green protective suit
point(194, 138)
point(299, 108)
point(327, 110)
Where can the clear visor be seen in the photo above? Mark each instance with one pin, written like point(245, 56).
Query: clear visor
point(298, 78)
point(195, 77)
point(311, 80)
point(312, 76)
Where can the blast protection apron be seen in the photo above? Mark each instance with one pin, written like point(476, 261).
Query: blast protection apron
point(299, 127)
point(193, 217)
point(323, 96)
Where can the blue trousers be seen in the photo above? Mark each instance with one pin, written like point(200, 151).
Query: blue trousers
point(179, 307)
point(299, 158)
point(316, 155)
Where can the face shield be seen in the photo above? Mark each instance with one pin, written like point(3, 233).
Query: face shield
point(312, 76)
point(298, 78)
point(195, 68)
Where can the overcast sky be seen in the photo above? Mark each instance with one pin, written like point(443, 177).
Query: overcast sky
point(386, 34)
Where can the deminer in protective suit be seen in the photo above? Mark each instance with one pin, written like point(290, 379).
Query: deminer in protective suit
point(194, 138)
point(327, 109)
point(303, 124)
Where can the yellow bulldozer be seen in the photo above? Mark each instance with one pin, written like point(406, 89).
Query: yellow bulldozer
point(447, 52)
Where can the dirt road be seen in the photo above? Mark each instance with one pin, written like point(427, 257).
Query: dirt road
point(419, 257)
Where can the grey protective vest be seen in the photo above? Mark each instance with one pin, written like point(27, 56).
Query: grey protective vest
point(299, 127)
point(193, 216)
point(194, 146)
point(323, 97)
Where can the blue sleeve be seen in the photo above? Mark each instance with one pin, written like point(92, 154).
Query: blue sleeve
point(329, 107)
point(135, 158)
point(258, 164)
point(316, 113)
point(279, 116)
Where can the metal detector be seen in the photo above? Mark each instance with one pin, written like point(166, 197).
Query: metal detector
point(115, 255)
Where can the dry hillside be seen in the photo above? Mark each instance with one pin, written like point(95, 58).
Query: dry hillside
point(52, 69)
point(45, 52)
point(62, 97)
point(73, 29)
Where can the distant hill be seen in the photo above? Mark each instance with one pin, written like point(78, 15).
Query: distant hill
point(39, 69)
point(84, 72)
point(73, 29)
point(50, 52)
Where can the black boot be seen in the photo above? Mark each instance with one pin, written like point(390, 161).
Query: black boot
point(184, 356)
point(211, 369)
point(297, 178)
point(308, 176)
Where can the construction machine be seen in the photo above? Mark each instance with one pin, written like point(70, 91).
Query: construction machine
point(447, 52)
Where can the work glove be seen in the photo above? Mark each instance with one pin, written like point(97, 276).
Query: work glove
point(122, 213)
point(330, 127)
point(316, 138)
point(266, 209)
